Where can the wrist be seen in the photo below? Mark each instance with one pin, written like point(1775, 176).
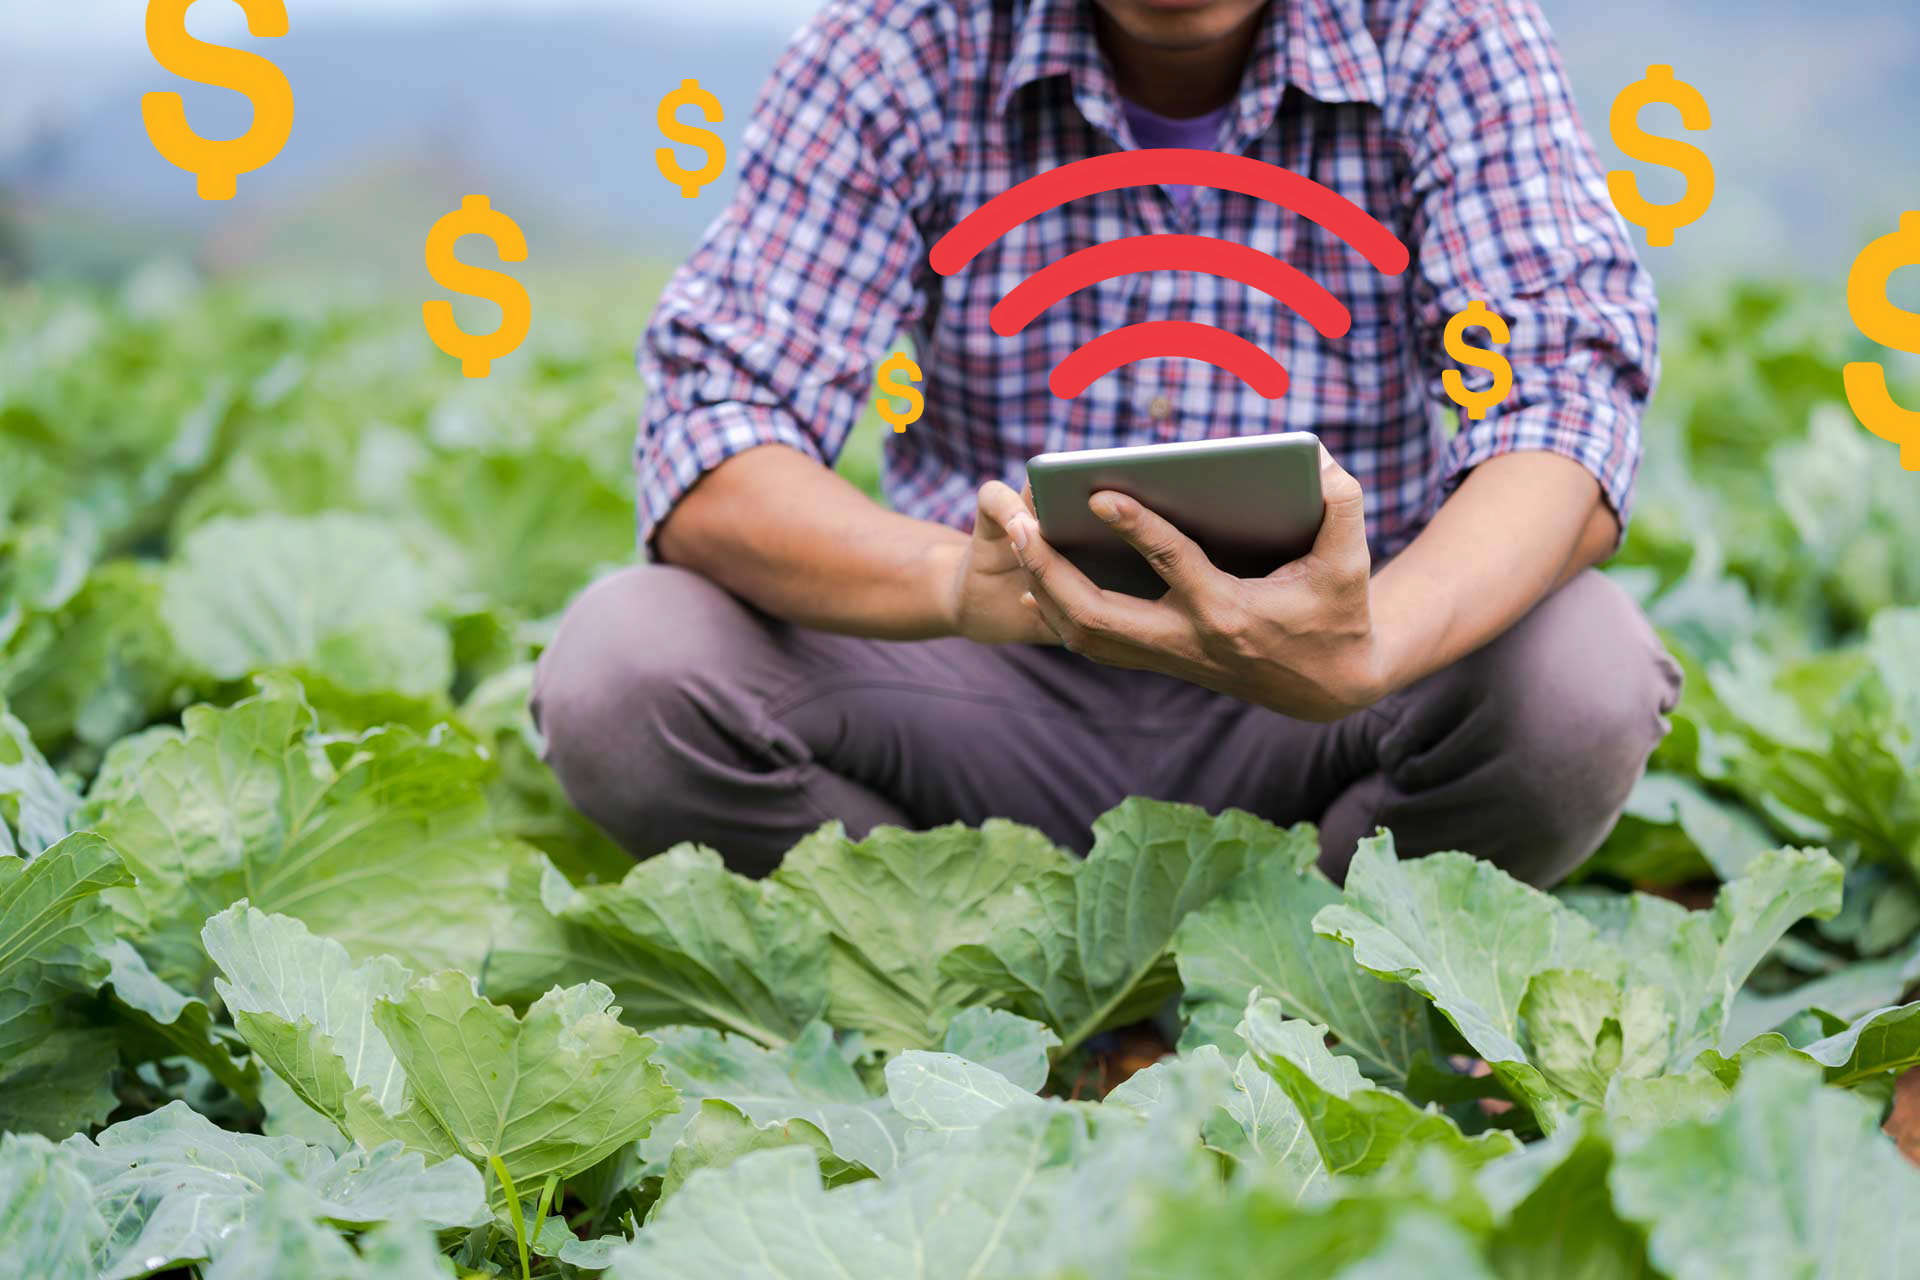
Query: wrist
point(1367, 672)
point(1404, 630)
point(940, 579)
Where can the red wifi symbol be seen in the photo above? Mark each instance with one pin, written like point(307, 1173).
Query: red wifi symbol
point(1261, 271)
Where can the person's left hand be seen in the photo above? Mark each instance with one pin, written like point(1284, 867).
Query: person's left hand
point(1300, 641)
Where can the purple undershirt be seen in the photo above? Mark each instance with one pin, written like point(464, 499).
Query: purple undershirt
point(1152, 130)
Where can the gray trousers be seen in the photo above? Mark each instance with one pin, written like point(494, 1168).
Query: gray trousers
point(673, 711)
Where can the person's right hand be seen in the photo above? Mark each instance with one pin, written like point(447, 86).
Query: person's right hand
point(984, 599)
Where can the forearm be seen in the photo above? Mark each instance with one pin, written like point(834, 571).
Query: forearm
point(798, 541)
point(1519, 527)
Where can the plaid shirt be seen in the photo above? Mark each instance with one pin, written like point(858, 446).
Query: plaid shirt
point(886, 121)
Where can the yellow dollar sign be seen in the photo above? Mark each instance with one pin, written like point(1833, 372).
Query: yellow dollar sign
point(1476, 403)
point(1660, 220)
point(476, 353)
point(888, 385)
point(218, 163)
point(690, 94)
point(1889, 326)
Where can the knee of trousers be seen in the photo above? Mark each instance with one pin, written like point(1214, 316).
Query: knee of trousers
point(631, 689)
point(1553, 725)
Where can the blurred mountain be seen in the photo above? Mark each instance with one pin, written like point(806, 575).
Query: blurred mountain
point(554, 119)
point(1815, 108)
point(397, 117)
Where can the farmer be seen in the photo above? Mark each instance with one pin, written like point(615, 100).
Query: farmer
point(1445, 663)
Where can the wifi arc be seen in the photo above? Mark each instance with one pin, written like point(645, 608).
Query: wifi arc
point(1161, 338)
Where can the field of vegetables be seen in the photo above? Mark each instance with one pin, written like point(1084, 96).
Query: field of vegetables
point(307, 970)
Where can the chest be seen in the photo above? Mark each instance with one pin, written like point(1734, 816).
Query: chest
point(1363, 375)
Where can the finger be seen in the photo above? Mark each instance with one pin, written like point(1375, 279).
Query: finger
point(998, 505)
point(1092, 645)
point(1042, 630)
point(1108, 650)
point(1078, 609)
point(1047, 568)
point(1342, 541)
point(1178, 559)
point(1026, 496)
point(1055, 619)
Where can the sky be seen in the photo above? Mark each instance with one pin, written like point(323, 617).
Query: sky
point(60, 26)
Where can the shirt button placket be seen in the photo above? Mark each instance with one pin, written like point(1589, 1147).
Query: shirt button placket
point(1167, 301)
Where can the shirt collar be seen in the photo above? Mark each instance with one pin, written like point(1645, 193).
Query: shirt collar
point(1321, 46)
point(1055, 38)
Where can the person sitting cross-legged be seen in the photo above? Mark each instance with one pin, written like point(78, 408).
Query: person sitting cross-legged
point(1446, 662)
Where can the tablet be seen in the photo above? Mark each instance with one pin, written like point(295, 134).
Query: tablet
point(1251, 502)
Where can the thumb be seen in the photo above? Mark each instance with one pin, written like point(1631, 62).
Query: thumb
point(1342, 541)
point(997, 507)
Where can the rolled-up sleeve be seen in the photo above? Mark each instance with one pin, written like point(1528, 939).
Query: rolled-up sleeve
point(769, 333)
point(1511, 209)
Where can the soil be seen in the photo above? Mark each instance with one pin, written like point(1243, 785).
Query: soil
point(1121, 1053)
point(1695, 896)
point(1903, 1125)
